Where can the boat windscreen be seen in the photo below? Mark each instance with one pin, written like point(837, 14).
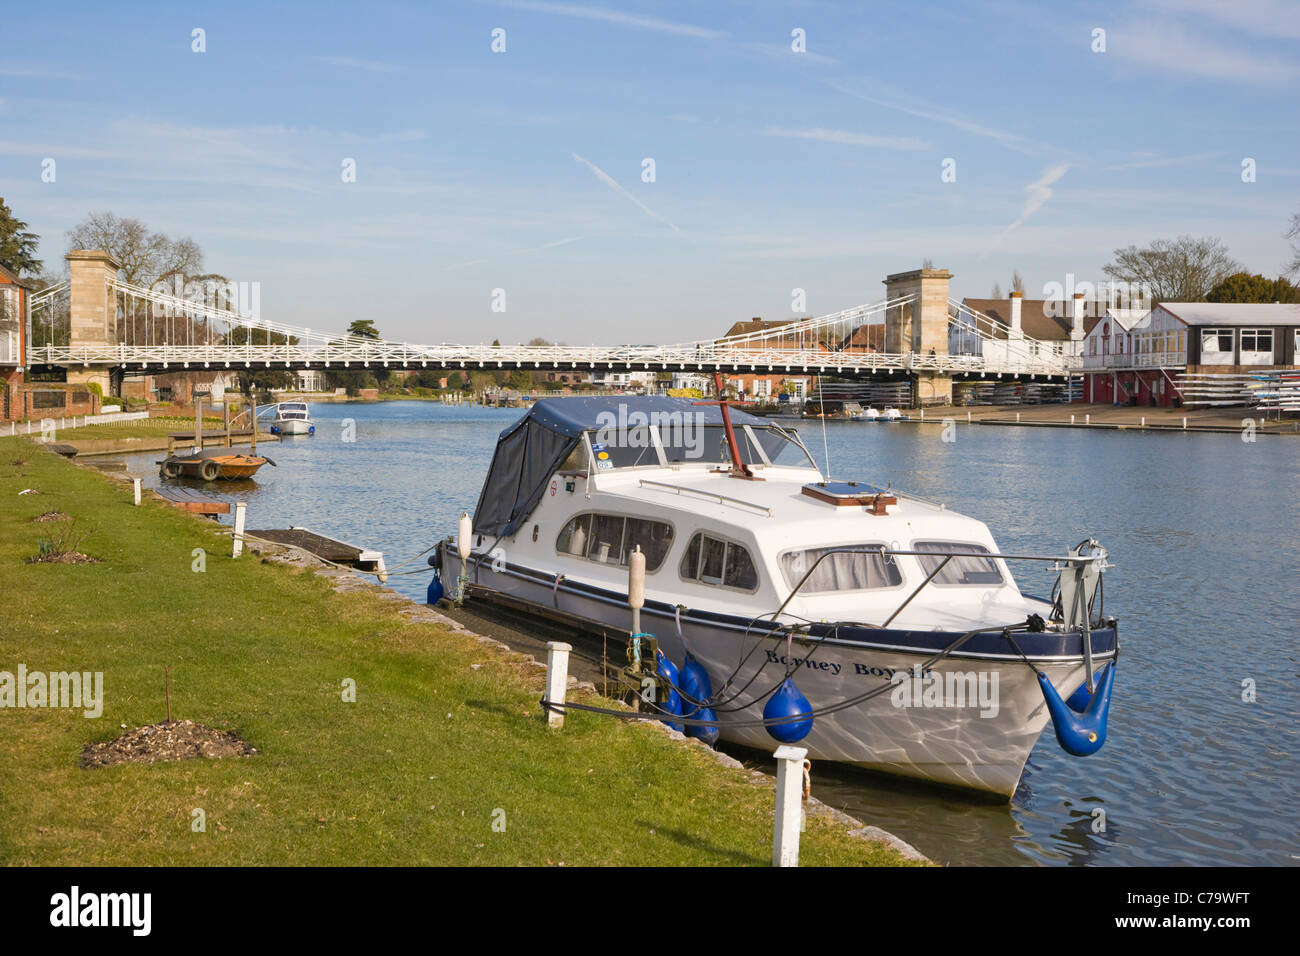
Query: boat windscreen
point(685, 442)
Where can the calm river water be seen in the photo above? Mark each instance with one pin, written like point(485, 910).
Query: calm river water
point(1204, 531)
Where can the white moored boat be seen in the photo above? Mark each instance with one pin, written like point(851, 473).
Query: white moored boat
point(292, 418)
point(897, 619)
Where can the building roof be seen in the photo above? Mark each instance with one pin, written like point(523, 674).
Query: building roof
point(1233, 313)
point(757, 325)
point(865, 338)
point(1035, 318)
point(11, 277)
point(1126, 319)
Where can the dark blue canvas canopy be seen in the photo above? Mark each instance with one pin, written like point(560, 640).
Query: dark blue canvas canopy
point(531, 450)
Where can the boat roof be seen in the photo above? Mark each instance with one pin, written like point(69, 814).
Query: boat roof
point(573, 416)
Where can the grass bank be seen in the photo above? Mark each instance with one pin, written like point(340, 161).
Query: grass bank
point(138, 428)
point(415, 771)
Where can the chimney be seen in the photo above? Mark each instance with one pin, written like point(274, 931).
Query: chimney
point(1076, 326)
point(1016, 331)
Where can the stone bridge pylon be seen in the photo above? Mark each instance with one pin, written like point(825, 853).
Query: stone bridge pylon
point(92, 308)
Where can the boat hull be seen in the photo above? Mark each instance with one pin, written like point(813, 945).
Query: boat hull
point(293, 426)
point(981, 743)
point(231, 467)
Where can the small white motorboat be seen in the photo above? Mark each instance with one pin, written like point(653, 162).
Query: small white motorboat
point(292, 418)
point(870, 626)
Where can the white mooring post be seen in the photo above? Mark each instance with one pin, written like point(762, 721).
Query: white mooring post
point(1017, 418)
point(1184, 424)
point(557, 679)
point(789, 805)
point(1071, 419)
point(135, 490)
point(1144, 421)
point(238, 534)
point(1087, 419)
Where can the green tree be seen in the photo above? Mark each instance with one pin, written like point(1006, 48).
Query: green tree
point(363, 328)
point(1244, 287)
point(1175, 270)
point(17, 245)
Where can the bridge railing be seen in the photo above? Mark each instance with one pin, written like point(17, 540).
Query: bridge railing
point(390, 355)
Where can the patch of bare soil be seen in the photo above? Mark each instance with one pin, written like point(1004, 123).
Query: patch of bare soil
point(51, 516)
point(63, 557)
point(177, 740)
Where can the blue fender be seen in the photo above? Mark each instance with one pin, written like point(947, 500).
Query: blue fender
point(1079, 700)
point(435, 592)
point(788, 702)
point(1085, 733)
point(673, 705)
point(696, 685)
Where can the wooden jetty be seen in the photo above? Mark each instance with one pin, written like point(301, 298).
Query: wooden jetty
point(187, 499)
point(221, 439)
point(338, 552)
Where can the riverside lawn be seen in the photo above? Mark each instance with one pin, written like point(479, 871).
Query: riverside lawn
point(416, 771)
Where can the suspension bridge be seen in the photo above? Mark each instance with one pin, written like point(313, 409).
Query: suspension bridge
point(96, 325)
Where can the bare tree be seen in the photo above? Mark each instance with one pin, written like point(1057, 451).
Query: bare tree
point(1017, 282)
point(997, 292)
point(1293, 234)
point(146, 256)
point(1175, 270)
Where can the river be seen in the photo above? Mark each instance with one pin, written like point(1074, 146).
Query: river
point(1204, 533)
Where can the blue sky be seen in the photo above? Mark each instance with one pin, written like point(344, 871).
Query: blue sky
point(775, 170)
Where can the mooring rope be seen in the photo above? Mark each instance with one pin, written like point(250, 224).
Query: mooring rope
point(564, 707)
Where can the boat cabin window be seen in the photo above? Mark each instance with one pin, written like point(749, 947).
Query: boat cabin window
point(610, 539)
point(721, 563)
point(958, 571)
point(857, 570)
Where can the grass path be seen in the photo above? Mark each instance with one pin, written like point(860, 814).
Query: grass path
point(414, 772)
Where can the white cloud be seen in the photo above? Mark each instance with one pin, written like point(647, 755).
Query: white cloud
point(1266, 18)
point(1165, 161)
point(608, 180)
point(617, 17)
point(1040, 191)
point(38, 73)
point(353, 63)
point(1164, 47)
point(925, 111)
point(846, 138)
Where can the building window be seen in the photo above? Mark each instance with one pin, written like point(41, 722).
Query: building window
point(711, 560)
point(1256, 346)
point(1216, 346)
point(958, 571)
point(609, 539)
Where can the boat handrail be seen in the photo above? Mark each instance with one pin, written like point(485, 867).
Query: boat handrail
point(722, 499)
point(1075, 560)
